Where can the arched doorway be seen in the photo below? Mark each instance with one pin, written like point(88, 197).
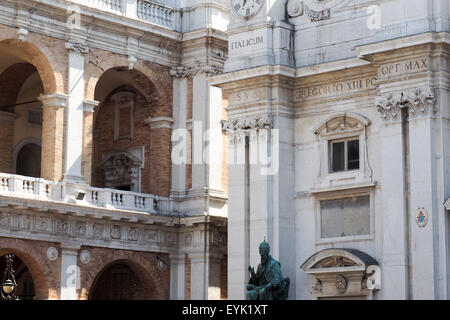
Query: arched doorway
point(25, 285)
point(121, 280)
point(28, 162)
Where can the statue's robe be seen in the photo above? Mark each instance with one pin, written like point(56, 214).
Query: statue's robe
point(265, 274)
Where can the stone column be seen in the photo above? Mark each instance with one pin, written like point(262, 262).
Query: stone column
point(393, 194)
point(88, 124)
point(423, 192)
point(177, 277)
point(199, 276)
point(160, 154)
point(6, 141)
point(70, 272)
point(206, 133)
point(200, 124)
point(52, 135)
point(74, 113)
point(205, 276)
point(179, 136)
point(238, 212)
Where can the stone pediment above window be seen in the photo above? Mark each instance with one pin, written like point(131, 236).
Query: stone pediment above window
point(342, 122)
point(121, 169)
point(343, 272)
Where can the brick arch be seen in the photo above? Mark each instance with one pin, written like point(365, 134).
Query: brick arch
point(34, 255)
point(11, 82)
point(142, 263)
point(30, 53)
point(156, 79)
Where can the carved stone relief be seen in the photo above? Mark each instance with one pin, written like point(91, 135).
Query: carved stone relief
point(98, 230)
point(115, 232)
point(133, 234)
point(80, 229)
point(52, 253)
point(121, 169)
point(85, 256)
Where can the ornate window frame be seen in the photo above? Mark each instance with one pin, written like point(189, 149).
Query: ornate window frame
point(342, 125)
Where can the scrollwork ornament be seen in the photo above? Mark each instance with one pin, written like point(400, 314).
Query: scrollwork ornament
point(295, 8)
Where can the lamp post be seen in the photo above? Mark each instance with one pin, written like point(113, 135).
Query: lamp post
point(9, 285)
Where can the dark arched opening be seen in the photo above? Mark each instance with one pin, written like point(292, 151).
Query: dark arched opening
point(25, 285)
point(120, 281)
point(29, 161)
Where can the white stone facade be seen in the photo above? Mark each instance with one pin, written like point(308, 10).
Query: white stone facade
point(328, 72)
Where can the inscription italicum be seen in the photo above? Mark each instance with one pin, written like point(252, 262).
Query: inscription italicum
point(247, 42)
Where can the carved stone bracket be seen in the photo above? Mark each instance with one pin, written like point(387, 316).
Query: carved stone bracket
point(246, 126)
point(184, 72)
point(417, 102)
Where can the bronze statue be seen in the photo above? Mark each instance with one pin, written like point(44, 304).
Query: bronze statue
point(268, 282)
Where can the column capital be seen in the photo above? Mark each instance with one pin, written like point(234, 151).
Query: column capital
point(416, 102)
point(245, 126)
point(89, 105)
point(159, 122)
point(77, 47)
point(57, 100)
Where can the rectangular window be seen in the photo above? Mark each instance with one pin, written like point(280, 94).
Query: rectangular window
point(35, 117)
point(345, 217)
point(344, 155)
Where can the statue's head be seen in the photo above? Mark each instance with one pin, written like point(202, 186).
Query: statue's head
point(264, 250)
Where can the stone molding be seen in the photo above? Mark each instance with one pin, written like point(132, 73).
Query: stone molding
point(7, 116)
point(56, 100)
point(245, 126)
point(159, 122)
point(89, 105)
point(296, 8)
point(184, 72)
point(317, 15)
point(416, 102)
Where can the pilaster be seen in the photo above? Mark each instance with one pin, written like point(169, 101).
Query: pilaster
point(53, 108)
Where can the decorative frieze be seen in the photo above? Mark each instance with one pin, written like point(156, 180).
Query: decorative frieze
point(245, 126)
point(208, 70)
point(89, 231)
point(417, 102)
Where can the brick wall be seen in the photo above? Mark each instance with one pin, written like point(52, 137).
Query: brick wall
point(187, 293)
point(6, 147)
